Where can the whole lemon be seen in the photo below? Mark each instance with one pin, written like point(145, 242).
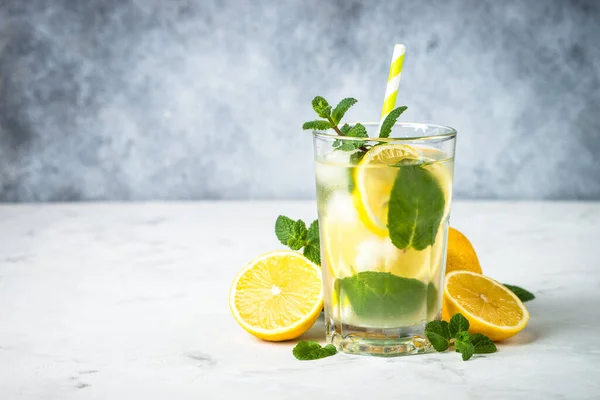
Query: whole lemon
point(461, 255)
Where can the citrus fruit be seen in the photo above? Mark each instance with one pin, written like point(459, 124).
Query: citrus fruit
point(374, 184)
point(491, 308)
point(461, 255)
point(277, 296)
point(376, 173)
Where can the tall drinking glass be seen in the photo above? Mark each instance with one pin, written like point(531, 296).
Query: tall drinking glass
point(384, 206)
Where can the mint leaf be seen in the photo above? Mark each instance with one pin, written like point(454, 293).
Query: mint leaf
point(357, 131)
point(522, 294)
point(341, 108)
point(458, 323)
point(381, 295)
point(482, 344)
point(312, 350)
point(321, 107)
point(284, 229)
point(344, 129)
point(462, 336)
point(337, 143)
point(356, 157)
point(465, 348)
point(438, 334)
point(416, 208)
point(317, 125)
point(313, 253)
point(312, 250)
point(298, 238)
point(313, 232)
point(389, 121)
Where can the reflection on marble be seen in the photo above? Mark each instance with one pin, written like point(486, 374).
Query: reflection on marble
point(120, 301)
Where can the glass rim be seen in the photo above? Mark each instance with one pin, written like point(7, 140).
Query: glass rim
point(449, 134)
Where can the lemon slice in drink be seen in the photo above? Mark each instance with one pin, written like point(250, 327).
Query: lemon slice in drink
point(375, 176)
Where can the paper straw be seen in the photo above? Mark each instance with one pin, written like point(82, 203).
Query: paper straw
point(391, 91)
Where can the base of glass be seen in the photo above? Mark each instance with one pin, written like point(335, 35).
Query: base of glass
point(388, 342)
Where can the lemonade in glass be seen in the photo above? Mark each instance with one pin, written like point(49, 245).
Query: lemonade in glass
point(384, 207)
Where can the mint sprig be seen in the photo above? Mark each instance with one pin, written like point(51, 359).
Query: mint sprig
point(442, 335)
point(296, 236)
point(522, 294)
point(333, 117)
point(312, 350)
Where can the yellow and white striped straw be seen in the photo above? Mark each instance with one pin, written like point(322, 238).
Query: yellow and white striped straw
point(391, 91)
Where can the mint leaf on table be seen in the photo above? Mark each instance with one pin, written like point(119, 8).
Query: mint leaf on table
point(312, 350)
point(313, 253)
point(442, 335)
point(317, 125)
point(381, 295)
point(415, 209)
point(284, 229)
point(298, 238)
point(522, 294)
point(465, 348)
point(389, 121)
point(438, 334)
point(458, 324)
point(295, 235)
point(312, 249)
point(341, 109)
point(482, 344)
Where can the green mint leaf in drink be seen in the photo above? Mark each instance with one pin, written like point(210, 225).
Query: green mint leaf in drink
point(416, 208)
point(389, 121)
point(356, 157)
point(357, 131)
point(321, 107)
point(317, 125)
point(345, 129)
point(338, 112)
point(482, 344)
point(312, 350)
point(458, 324)
point(465, 348)
point(438, 334)
point(381, 295)
point(522, 294)
point(284, 229)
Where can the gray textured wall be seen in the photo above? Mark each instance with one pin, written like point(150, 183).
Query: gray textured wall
point(151, 99)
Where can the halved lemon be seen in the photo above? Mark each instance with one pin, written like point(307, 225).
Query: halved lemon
point(490, 307)
point(374, 179)
point(277, 296)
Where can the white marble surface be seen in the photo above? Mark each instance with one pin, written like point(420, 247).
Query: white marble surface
point(129, 301)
